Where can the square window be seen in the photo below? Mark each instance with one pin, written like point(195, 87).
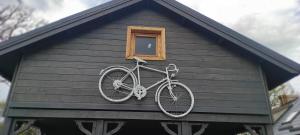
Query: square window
point(146, 42)
point(145, 45)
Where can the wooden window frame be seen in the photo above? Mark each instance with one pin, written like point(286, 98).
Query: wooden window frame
point(159, 33)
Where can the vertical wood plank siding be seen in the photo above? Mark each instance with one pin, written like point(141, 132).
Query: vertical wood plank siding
point(65, 75)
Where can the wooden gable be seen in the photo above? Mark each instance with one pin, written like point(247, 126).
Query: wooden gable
point(60, 78)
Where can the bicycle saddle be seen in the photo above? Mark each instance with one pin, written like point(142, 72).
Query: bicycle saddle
point(139, 60)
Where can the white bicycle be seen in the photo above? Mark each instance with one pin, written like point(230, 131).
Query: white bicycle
point(119, 83)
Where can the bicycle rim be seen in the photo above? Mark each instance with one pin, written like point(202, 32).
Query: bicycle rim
point(107, 89)
point(179, 108)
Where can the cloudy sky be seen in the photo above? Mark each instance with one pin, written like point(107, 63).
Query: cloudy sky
point(274, 23)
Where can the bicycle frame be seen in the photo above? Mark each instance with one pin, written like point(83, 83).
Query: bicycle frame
point(166, 83)
point(138, 67)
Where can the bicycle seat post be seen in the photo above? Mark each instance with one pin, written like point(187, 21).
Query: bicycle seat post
point(139, 60)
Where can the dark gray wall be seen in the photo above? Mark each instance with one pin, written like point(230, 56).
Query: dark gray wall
point(65, 75)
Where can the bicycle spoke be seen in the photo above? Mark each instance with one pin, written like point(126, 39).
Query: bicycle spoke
point(174, 102)
point(122, 92)
point(120, 76)
point(180, 96)
point(123, 78)
point(125, 86)
point(110, 81)
point(166, 97)
point(180, 102)
point(114, 93)
point(110, 78)
point(176, 108)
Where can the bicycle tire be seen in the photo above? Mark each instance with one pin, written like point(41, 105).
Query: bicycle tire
point(171, 112)
point(102, 87)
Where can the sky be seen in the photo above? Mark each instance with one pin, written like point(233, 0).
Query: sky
point(273, 23)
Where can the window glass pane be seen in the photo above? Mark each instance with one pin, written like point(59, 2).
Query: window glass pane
point(145, 45)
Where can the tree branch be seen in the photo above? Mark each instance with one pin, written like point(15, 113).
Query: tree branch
point(15, 20)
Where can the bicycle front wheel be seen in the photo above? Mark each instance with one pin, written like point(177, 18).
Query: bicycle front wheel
point(177, 102)
point(116, 84)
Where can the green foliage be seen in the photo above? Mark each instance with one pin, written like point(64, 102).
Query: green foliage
point(274, 95)
point(1, 127)
point(284, 89)
point(31, 131)
point(2, 105)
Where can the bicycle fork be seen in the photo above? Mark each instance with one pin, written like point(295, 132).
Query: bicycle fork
point(170, 87)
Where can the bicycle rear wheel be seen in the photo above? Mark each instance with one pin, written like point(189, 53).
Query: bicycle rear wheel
point(179, 106)
point(116, 84)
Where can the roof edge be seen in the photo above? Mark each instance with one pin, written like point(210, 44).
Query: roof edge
point(265, 54)
point(68, 22)
point(227, 33)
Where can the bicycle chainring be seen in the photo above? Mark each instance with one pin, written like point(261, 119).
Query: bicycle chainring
point(139, 92)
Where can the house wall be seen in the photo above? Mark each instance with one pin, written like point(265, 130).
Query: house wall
point(64, 74)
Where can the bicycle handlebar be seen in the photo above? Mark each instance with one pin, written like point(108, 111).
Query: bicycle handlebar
point(170, 66)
